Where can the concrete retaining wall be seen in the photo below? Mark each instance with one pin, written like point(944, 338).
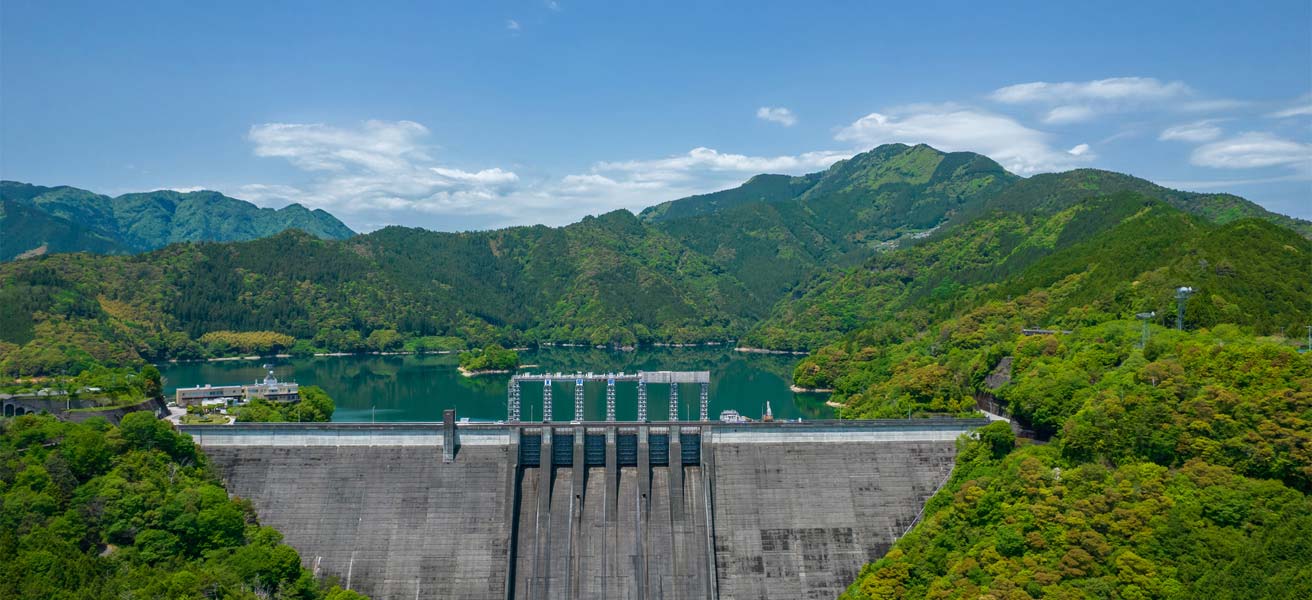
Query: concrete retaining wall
point(83, 409)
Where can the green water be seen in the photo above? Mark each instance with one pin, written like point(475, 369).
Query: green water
point(419, 388)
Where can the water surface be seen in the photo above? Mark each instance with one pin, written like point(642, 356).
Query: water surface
point(419, 388)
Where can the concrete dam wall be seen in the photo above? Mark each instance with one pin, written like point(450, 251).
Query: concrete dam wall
point(592, 510)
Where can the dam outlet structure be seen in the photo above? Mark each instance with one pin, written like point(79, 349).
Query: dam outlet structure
point(588, 509)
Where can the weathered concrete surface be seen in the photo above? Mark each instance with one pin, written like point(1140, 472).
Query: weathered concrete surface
point(798, 520)
point(782, 512)
point(389, 521)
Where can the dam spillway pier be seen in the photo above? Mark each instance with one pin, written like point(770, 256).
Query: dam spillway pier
point(593, 509)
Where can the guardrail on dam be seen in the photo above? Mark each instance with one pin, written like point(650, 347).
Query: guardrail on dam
point(588, 510)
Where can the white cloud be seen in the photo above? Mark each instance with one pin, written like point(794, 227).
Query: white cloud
point(1080, 101)
point(1079, 150)
point(779, 115)
point(1198, 131)
point(512, 25)
point(1254, 149)
point(486, 176)
point(383, 172)
point(375, 145)
point(1224, 184)
point(957, 128)
point(1069, 114)
point(1214, 105)
point(376, 166)
point(1293, 111)
point(709, 159)
point(1115, 89)
point(1127, 133)
point(553, 5)
point(186, 189)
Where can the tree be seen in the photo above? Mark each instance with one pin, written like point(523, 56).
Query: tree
point(491, 358)
point(385, 340)
point(998, 438)
point(93, 511)
point(154, 382)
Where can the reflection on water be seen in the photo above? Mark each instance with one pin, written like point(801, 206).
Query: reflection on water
point(419, 388)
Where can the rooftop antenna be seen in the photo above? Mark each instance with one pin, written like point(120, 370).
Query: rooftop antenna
point(1181, 295)
point(1145, 317)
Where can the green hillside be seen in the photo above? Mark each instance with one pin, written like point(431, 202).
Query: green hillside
point(1009, 231)
point(900, 237)
point(1053, 191)
point(66, 219)
point(1175, 470)
point(91, 510)
point(773, 233)
point(29, 231)
point(761, 188)
point(1178, 476)
point(932, 299)
point(604, 280)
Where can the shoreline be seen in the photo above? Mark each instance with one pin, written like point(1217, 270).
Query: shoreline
point(467, 373)
point(750, 350)
point(802, 390)
point(285, 355)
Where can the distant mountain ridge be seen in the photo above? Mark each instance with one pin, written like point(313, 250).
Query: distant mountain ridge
point(40, 220)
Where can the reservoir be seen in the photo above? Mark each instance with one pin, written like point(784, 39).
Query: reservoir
point(420, 387)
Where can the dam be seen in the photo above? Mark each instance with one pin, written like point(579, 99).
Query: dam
point(588, 509)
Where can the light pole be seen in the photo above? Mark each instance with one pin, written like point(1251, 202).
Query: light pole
point(1145, 317)
point(1181, 295)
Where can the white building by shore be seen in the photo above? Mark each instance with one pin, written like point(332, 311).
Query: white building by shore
point(269, 389)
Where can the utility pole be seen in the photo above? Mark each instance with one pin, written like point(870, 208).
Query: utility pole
point(1181, 296)
point(1145, 317)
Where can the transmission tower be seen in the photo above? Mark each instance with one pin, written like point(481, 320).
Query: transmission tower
point(1181, 296)
point(1145, 317)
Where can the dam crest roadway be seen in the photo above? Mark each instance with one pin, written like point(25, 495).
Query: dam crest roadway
point(591, 509)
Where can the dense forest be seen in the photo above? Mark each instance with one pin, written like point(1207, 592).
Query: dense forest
point(790, 263)
point(95, 511)
point(1177, 470)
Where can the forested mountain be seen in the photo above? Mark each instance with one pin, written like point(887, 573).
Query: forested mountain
point(30, 231)
point(1175, 468)
point(606, 279)
point(39, 220)
point(772, 233)
point(903, 235)
point(1117, 255)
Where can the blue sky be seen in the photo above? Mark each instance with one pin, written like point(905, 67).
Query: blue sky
point(473, 115)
